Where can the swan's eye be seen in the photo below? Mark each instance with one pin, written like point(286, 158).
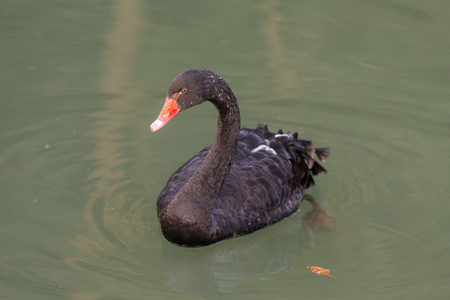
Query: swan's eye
point(184, 91)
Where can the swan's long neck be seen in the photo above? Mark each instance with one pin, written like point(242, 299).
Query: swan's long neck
point(208, 179)
point(211, 174)
point(189, 216)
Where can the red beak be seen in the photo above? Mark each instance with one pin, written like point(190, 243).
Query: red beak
point(169, 110)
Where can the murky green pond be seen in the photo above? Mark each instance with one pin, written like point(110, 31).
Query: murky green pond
point(80, 172)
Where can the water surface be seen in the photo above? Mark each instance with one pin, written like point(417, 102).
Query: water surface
point(80, 172)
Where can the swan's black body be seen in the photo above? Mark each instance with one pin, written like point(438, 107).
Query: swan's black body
point(246, 180)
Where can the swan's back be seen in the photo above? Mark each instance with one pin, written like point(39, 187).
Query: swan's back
point(265, 184)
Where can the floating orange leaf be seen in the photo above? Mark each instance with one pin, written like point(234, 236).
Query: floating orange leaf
point(320, 271)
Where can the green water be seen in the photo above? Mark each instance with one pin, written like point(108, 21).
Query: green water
point(80, 172)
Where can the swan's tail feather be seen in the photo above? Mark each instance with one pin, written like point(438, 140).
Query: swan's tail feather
point(306, 166)
point(322, 153)
point(302, 153)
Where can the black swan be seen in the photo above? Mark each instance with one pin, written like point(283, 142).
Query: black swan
point(246, 180)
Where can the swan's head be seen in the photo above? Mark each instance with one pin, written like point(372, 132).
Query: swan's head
point(190, 88)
